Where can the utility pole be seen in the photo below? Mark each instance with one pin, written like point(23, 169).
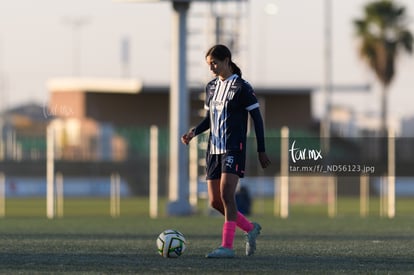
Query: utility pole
point(3, 99)
point(327, 87)
point(76, 24)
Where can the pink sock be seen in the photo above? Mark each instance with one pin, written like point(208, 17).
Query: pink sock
point(229, 229)
point(243, 223)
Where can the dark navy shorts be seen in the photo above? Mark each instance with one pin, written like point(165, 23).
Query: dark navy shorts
point(232, 162)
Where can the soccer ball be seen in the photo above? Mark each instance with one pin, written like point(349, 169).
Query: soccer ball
point(171, 243)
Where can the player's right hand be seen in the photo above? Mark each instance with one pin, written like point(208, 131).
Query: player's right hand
point(187, 137)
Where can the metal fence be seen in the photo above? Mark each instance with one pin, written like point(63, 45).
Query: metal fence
point(88, 164)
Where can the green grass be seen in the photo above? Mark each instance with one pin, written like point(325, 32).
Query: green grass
point(88, 241)
point(78, 207)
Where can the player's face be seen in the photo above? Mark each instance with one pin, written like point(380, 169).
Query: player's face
point(218, 67)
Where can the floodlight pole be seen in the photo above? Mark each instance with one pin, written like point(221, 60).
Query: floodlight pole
point(178, 191)
point(178, 195)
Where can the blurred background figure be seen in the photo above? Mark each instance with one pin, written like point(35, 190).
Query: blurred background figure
point(243, 200)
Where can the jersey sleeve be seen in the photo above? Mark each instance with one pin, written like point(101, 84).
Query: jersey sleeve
point(204, 125)
point(251, 104)
point(248, 97)
point(259, 129)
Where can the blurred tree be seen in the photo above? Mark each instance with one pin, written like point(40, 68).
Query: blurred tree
point(383, 34)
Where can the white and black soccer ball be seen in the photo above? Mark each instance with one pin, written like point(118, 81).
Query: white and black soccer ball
point(171, 243)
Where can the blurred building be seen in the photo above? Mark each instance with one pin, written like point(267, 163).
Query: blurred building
point(101, 126)
point(22, 132)
point(93, 116)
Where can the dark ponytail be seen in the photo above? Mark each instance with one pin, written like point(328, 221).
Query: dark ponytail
point(236, 69)
point(221, 52)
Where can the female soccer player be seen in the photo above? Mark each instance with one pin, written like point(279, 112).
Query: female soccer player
point(229, 99)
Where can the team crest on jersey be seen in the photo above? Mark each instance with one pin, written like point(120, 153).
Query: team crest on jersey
point(230, 95)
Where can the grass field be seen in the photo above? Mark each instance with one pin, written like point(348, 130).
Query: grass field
point(88, 241)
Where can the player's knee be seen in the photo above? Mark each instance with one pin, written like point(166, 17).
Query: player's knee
point(227, 199)
point(216, 204)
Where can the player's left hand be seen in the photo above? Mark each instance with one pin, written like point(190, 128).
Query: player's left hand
point(264, 159)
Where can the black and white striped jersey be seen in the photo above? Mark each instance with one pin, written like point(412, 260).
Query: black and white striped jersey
point(229, 103)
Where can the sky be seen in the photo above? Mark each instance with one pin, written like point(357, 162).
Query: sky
point(281, 45)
